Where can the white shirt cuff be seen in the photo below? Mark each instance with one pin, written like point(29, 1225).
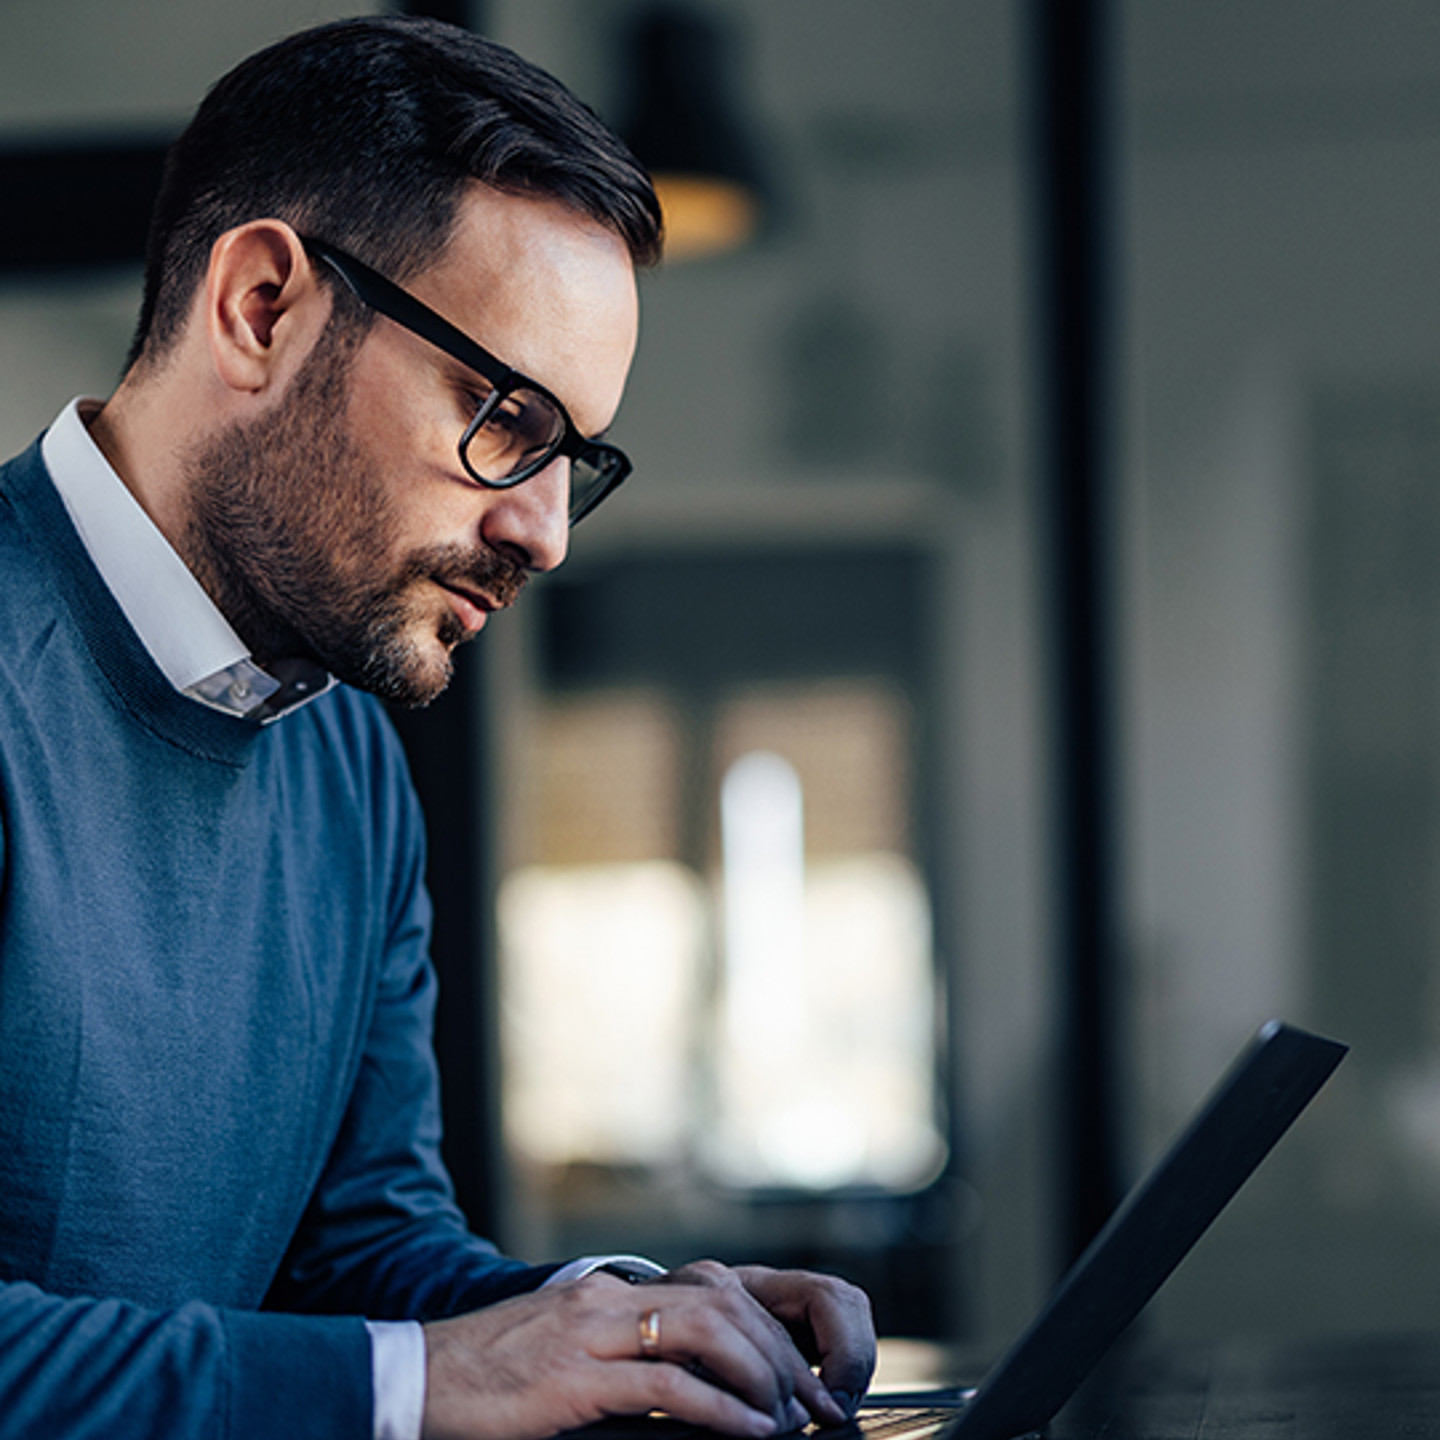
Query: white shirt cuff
point(397, 1368)
point(634, 1266)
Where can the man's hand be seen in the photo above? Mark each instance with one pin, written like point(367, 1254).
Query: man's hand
point(722, 1348)
point(828, 1321)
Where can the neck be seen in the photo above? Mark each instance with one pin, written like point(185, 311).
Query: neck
point(161, 414)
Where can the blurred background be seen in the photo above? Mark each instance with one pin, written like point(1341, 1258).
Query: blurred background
point(1011, 676)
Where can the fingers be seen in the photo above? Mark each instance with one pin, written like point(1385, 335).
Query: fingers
point(637, 1387)
point(830, 1321)
point(717, 1337)
point(774, 1308)
point(725, 1295)
point(538, 1364)
point(700, 1345)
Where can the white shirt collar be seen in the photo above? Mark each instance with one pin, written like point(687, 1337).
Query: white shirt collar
point(189, 639)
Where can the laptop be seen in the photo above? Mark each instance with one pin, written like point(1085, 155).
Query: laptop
point(1154, 1228)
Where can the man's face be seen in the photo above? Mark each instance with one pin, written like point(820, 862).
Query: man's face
point(341, 523)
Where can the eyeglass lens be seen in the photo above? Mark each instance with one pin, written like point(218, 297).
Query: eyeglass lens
point(592, 478)
point(512, 436)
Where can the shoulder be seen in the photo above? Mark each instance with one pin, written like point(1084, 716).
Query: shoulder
point(22, 469)
point(30, 506)
point(23, 481)
point(29, 589)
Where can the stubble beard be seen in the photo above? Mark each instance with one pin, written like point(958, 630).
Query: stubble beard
point(295, 537)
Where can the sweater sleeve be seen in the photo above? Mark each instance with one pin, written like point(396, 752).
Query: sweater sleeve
point(103, 1368)
point(106, 1369)
point(382, 1236)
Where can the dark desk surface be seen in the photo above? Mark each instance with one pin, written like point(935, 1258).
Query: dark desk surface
point(1362, 1389)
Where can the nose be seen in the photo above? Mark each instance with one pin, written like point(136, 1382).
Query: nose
point(531, 521)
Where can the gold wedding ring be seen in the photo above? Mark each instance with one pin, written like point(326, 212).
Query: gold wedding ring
point(650, 1335)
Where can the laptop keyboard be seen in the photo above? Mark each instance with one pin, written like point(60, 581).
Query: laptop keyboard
point(890, 1424)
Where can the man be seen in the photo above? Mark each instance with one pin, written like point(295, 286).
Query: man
point(222, 1210)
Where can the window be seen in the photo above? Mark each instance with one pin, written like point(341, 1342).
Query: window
point(767, 1019)
point(717, 973)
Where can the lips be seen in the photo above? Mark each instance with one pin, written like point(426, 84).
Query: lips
point(476, 583)
point(471, 607)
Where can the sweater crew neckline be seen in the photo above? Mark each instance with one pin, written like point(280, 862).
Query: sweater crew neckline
point(132, 677)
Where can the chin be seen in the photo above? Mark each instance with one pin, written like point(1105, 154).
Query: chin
point(426, 677)
point(409, 668)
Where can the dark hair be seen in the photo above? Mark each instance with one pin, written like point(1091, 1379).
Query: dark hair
point(363, 133)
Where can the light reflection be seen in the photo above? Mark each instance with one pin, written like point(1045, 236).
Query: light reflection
point(763, 847)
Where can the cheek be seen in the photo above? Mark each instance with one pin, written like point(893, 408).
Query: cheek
point(402, 414)
point(393, 504)
point(403, 447)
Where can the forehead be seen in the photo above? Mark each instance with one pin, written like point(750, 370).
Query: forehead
point(547, 289)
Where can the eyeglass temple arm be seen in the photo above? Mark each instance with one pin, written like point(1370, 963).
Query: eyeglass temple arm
point(373, 289)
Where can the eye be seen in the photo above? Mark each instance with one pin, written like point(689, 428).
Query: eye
point(519, 434)
point(529, 419)
point(510, 416)
point(472, 395)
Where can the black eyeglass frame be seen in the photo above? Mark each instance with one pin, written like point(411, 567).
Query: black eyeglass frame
point(386, 298)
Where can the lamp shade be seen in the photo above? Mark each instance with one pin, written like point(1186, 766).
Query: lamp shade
point(685, 126)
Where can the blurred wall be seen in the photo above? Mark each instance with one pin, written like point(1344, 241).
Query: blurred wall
point(1281, 216)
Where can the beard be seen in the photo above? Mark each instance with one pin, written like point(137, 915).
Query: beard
point(296, 539)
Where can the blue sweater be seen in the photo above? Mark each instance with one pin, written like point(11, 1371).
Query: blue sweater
point(218, 1113)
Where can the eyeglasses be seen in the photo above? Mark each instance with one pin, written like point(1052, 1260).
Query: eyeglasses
point(519, 427)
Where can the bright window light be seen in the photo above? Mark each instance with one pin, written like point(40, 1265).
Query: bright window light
point(600, 973)
point(773, 1027)
point(824, 1069)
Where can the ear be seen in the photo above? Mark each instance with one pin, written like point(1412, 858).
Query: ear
point(264, 308)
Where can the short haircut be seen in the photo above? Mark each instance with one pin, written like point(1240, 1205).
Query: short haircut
point(365, 133)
